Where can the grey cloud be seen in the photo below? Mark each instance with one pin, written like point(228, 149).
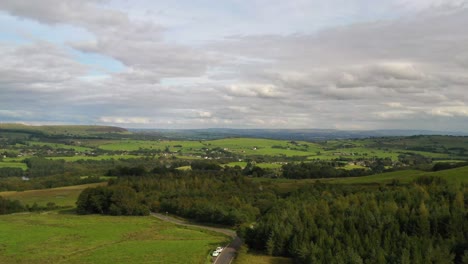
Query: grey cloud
point(137, 44)
point(412, 61)
point(83, 12)
point(387, 74)
point(36, 66)
point(253, 90)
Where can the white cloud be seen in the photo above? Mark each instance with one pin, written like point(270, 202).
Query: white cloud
point(394, 105)
point(125, 120)
point(391, 115)
point(39, 65)
point(205, 114)
point(450, 111)
point(253, 90)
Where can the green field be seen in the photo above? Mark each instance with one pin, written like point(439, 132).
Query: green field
point(454, 176)
point(100, 157)
point(18, 160)
point(244, 146)
point(66, 238)
point(132, 145)
point(457, 176)
point(60, 146)
point(62, 196)
point(255, 146)
point(12, 164)
point(68, 130)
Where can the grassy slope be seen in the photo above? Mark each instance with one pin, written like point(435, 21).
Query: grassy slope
point(75, 130)
point(101, 157)
point(63, 196)
point(12, 164)
point(130, 145)
point(66, 238)
point(60, 146)
point(455, 176)
point(76, 158)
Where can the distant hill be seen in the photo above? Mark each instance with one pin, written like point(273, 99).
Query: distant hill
point(67, 130)
point(286, 134)
point(212, 133)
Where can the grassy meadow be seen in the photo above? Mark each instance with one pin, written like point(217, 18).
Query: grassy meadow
point(454, 176)
point(13, 164)
point(62, 196)
point(55, 237)
point(66, 238)
point(60, 146)
point(100, 157)
point(68, 130)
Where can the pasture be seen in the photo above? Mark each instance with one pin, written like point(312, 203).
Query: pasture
point(454, 176)
point(60, 146)
point(62, 196)
point(12, 164)
point(100, 157)
point(68, 130)
point(66, 238)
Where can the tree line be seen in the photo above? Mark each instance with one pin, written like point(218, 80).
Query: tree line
point(8, 206)
point(225, 197)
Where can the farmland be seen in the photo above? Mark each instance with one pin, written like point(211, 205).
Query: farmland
point(67, 238)
point(22, 142)
point(454, 176)
point(62, 196)
point(9, 164)
point(127, 173)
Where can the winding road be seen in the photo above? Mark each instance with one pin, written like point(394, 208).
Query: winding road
point(229, 252)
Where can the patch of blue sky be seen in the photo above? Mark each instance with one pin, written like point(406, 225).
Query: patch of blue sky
point(99, 64)
point(9, 33)
point(11, 38)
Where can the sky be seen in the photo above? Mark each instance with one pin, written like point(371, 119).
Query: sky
point(334, 64)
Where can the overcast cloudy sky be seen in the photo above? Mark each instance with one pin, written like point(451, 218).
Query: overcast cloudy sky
point(345, 64)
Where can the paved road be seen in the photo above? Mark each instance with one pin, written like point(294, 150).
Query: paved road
point(229, 252)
